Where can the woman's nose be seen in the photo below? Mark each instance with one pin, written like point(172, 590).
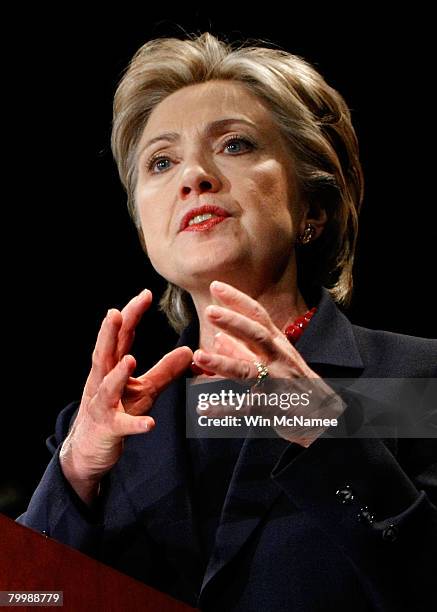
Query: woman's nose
point(199, 179)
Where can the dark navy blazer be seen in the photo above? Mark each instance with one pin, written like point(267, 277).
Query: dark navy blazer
point(286, 540)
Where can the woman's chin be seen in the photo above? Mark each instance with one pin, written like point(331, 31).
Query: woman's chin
point(193, 274)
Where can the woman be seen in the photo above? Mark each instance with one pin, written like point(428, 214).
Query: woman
point(243, 178)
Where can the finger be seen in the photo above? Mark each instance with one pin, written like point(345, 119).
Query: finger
point(230, 347)
point(227, 367)
point(257, 337)
point(103, 357)
point(167, 369)
point(126, 425)
point(131, 314)
point(140, 393)
point(241, 302)
point(138, 396)
point(112, 386)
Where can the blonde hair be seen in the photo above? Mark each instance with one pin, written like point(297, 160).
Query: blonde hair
point(312, 116)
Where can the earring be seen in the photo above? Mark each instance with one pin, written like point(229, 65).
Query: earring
point(307, 235)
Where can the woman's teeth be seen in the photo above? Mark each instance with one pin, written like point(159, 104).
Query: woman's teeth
point(200, 218)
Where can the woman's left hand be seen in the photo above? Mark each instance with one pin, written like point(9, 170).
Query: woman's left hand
point(248, 335)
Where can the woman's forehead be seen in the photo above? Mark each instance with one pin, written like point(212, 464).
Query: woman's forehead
point(205, 104)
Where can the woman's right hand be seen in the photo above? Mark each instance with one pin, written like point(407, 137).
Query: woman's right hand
point(113, 402)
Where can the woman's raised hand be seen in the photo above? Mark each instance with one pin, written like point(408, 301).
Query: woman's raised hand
point(113, 402)
point(248, 336)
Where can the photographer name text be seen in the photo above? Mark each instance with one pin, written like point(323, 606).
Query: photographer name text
point(262, 421)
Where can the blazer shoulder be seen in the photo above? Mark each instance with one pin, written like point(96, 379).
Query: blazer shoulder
point(397, 355)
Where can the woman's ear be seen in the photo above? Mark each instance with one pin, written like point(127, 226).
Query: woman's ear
point(316, 217)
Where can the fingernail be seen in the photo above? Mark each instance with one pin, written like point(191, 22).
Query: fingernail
point(127, 361)
point(145, 425)
point(218, 286)
point(213, 311)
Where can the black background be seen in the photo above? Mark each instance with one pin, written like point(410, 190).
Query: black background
point(71, 249)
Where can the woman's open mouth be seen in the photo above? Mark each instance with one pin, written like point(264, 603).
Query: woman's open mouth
point(204, 222)
point(203, 218)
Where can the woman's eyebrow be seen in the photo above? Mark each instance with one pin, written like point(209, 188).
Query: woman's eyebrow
point(211, 129)
point(170, 136)
point(218, 125)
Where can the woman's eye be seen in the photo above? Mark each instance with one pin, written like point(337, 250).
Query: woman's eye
point(237, 144)
point(158, 164)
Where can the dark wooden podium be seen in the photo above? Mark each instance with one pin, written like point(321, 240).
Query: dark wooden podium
point(31, 562)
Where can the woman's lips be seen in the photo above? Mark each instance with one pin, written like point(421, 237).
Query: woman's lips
point(205, 209)
point(204, 226)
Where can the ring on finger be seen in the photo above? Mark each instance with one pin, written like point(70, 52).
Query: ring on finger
point(262, 370)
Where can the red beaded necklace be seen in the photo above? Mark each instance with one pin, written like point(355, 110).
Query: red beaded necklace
point(292, 331)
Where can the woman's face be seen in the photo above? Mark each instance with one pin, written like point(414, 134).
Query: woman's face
point(216, 193)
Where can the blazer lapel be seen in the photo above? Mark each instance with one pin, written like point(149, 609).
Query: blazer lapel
point(250, 495)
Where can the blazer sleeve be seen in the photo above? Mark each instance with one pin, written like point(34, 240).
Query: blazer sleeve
point(378, 506)
point(55, 509)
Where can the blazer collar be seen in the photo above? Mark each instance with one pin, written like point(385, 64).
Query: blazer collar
point(329, 338)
